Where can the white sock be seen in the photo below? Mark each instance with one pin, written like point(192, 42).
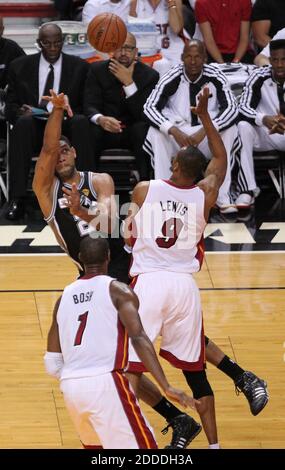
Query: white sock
point(214, 446)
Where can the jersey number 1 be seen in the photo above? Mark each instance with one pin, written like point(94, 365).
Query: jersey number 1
point(83, 319)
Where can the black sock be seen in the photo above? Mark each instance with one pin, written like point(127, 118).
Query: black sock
point(167, 409)
point(229, 367)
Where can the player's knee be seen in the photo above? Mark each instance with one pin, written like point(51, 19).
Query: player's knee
point(198, 383)
point(244, 126)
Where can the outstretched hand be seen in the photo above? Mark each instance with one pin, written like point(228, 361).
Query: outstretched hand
point(202, 108)
point(59, 101)
point(181, 397)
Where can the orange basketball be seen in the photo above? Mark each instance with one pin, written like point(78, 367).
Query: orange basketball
point(106, 32)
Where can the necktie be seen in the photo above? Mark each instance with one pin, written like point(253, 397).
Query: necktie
point(48, 86)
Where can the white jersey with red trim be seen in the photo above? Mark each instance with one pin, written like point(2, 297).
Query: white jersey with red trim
point(92, 338)
point(170, 43)
point(168, 229)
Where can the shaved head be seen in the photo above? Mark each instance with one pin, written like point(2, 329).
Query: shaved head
point(49, 29)
point(93, 250)
point(127, 53)
point(194, 56)
point(191, 163)
point(131, 39)
point(50, 41)
point(195, 43)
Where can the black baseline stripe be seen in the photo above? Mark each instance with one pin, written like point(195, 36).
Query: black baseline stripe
point(8, 291)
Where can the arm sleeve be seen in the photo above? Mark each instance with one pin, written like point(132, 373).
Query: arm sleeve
point(53, 364)
point(93, 95)
point(261, 10)
point(153, 108)
point(201, 13)
point(251, 97)
point(246, 10)
point(228, 110)
point(130, 89)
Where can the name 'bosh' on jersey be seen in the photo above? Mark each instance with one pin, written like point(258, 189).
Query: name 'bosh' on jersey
point(168, 229)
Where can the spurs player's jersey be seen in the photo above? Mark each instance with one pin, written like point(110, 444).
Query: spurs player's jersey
point(170, 43)
point(68, 228)
point(92, 338)
point(168, 230)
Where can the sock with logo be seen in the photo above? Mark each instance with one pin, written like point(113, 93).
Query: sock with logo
point(167, 409)
point(230, 368)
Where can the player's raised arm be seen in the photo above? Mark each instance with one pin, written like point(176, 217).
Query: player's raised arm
point(45, 167)
point(216, 170)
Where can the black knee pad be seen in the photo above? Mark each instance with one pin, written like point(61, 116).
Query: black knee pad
point(206, 341)
point(198, 383)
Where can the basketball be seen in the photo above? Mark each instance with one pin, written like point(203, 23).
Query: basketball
point(106, 32)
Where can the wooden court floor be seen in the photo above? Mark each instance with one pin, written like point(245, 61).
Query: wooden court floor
point(243, 299)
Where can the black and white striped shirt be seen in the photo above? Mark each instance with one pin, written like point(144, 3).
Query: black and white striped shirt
point(259, 97)
point(170, 102)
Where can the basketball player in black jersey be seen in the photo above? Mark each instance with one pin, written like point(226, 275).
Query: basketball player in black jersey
point(55, 174)
point(65, 197)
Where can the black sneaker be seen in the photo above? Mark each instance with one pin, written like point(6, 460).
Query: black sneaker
point(255, 390)
point(185, 429)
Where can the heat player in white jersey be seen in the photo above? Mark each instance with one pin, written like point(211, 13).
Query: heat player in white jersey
point(166, 226)
point(88, 351)
point(168, 17)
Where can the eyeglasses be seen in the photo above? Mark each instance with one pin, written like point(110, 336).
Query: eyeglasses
point(49, 44)
point(126, 48)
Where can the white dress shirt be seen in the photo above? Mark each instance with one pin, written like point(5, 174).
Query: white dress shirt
point(43, 73)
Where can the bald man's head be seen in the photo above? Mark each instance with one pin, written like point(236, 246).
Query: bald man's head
point(49, 29)
point(194, 56)
point(198, 44)
point(127, 53)
point(50, 40)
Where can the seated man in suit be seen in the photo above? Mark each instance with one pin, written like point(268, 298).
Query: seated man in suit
point(9, 50)
point(115, 93)
point(30, 78)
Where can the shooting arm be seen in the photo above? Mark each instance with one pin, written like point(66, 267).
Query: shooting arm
point(45, 167)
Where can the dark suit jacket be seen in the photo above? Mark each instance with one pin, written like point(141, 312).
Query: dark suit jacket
point(9, 51)
point(104, 92)
point(23, 83)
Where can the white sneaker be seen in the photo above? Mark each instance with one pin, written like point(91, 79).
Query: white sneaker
point(231, 209)
point(225, 207)
point(244, 201)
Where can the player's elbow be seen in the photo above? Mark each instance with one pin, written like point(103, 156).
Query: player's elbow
point(261, 60)
point(36, 185)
